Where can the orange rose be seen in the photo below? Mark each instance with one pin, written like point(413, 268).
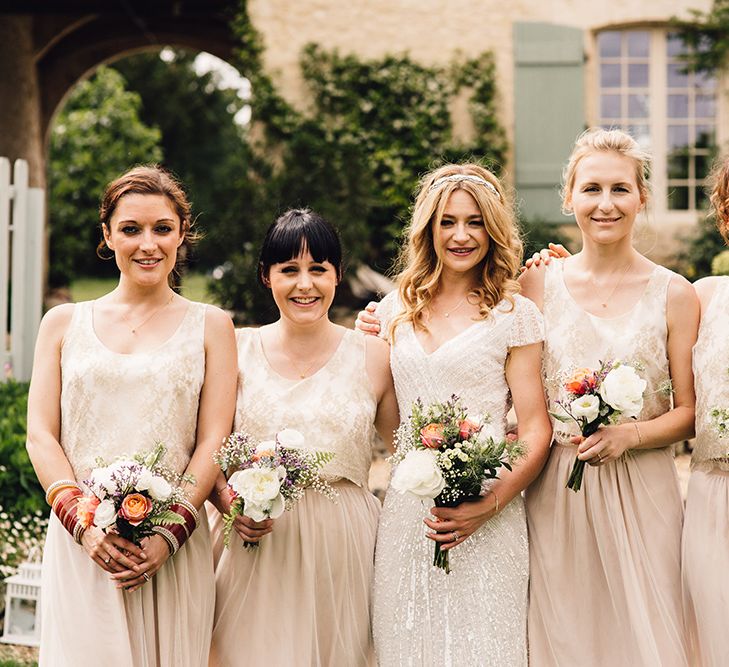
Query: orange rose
point(581, 382)
point(467, 428)
point(86, 509)
point(135, 508)
point(432, 436)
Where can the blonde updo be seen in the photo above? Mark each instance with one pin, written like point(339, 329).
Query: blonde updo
point(599, 140)
point(420, 263)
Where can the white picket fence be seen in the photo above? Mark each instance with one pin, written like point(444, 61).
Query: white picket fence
point(22, 217)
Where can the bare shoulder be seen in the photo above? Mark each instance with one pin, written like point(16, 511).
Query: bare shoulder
point(216, 319)
point(681, 292)
point(532, 283)
point(377, 350)
point(705, 288)
point(55, 322)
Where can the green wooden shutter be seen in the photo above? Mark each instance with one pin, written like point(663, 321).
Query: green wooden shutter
point(548, 112)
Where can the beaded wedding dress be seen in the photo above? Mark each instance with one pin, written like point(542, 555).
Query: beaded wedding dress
point(476, 615)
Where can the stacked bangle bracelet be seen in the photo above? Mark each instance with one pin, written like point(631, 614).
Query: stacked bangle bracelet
point(63, 496)
point(176, 534)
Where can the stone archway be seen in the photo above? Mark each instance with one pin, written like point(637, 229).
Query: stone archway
point(45, 51)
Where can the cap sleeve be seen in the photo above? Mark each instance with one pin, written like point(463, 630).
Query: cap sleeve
point(386, 310)
point(528, 325)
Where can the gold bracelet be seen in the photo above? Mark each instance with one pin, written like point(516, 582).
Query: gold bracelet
point(57, 486)
point(496, 507)
point(637, 430)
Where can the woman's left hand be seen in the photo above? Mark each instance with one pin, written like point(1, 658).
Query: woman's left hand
point(607, 444)
point(453, 525)
point(157, 551)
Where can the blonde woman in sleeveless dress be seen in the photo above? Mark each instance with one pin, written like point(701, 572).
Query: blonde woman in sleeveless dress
point(457, 326)
point(113, 376)
point(302, 597)
point(605, 561)
point(705, 534)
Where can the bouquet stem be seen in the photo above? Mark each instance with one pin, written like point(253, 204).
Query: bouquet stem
point(575, 480)
point(440, 559)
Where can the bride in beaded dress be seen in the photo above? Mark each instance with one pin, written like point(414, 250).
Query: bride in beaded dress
point(302, 597)
point(705, 545)
point(111, 377)
point(457, 326)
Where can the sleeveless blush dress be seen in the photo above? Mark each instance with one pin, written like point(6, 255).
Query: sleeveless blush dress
point(302, 597)
point(605, 561)
point(114, 404)
point(706, 526)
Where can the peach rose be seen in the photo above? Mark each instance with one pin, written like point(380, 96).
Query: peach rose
point(581, 382)
point(135, 508)
point(432, 436)
point(86, 509)
point(467, 428)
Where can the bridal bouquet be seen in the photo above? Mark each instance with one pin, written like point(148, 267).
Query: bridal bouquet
point(443, 455)
point(132, 495)
point(599, 397)
point(269, 477)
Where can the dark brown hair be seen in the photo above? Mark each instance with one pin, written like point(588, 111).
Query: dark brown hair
point(150, 180)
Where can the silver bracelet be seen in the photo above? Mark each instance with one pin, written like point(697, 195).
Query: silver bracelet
point(190, 508)
point(168, 537)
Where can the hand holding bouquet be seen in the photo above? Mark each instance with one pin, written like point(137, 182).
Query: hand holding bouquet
point(597, 398)
point(443, 455)
point(133, 495)
point(269, 477)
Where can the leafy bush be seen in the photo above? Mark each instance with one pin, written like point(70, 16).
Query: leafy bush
point(537, 234)
point(702, 246)
point(20, 492)
point(720, 264)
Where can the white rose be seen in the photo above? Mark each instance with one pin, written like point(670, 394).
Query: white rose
point(418, 473)
point(144, 481)
point(587, 407)
point(105, 514)
point(100, 480)
point(622, 389)
point(256, 486)
point(268, 510)
point(159, 488)
point(289, 437)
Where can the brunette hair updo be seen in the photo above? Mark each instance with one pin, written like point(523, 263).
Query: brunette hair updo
point(150, 180)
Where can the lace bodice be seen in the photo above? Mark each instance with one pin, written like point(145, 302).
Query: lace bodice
point(114, 404)
point(711, 375)
point(334, 408)
point(470, 365)
point(576, 339)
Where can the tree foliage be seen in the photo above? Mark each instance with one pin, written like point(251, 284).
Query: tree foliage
point(707, 35)
point(96, 136)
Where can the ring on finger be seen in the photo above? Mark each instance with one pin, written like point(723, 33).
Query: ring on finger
point(107, 560)
point(456, 536)
point(146, 576)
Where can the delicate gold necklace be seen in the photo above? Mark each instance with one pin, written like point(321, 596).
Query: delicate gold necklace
point(302, 373)
point(137, 327)
point(604, 302)
point(448, 313)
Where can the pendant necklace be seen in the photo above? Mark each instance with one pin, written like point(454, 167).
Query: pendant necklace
point(136, 327)
point(604, 302)
point(302, 374)
point(453, 310)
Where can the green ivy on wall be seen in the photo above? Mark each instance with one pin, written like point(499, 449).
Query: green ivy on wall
point(371, 129)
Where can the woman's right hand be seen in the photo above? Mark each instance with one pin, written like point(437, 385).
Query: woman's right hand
point(367, 321)
point(545, 255)
point(249, 530)
point(111, 552)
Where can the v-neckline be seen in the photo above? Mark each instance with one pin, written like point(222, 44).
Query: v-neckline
point(462, 332)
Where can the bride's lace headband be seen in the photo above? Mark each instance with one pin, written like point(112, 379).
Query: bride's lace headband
point(457, 178)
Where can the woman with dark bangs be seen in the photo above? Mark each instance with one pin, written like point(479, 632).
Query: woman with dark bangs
point(303, 596)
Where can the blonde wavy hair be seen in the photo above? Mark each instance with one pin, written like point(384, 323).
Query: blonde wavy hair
point(719, 184)
point(420, 263)
point(597, 140)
